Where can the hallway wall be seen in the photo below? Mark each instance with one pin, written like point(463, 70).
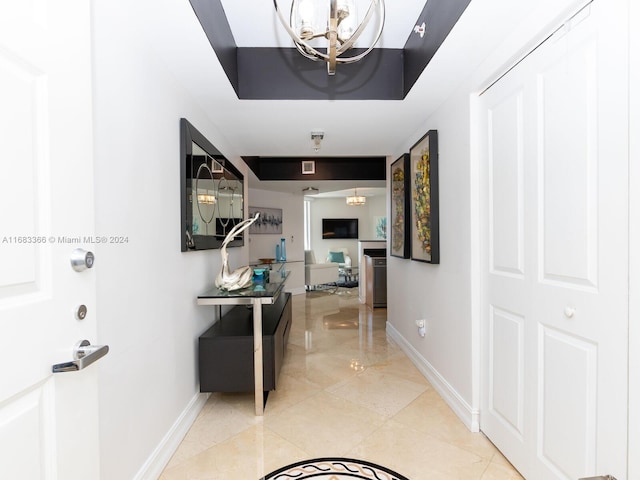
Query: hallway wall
point(264, 245)
point(634, 237)
point(146, 288)
point(446, 295)
point(441, 294)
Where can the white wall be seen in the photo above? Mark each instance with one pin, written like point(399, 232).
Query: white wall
point(264, 245)
point(446, 295)
point(634, 241)
point(441, 294)
point(337, 208)
point(146, 288)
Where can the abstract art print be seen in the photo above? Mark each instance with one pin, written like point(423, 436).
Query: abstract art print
point(425, 243)
point(269, 221)
point(380, 227)
point(400, 192)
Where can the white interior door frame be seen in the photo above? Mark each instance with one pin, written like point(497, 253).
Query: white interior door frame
point(634, 239)
point(633, 203)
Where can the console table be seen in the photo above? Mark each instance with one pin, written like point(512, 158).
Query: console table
point(257, 295)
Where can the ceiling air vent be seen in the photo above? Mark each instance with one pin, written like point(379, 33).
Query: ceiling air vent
point(308, 167)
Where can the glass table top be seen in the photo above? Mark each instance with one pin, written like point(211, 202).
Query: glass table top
point(258, 289)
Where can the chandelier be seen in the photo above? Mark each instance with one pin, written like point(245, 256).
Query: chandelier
point(356, 200)
point(334, 20)
point(206, 198)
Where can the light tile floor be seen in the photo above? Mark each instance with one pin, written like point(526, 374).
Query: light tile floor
point(347, 390)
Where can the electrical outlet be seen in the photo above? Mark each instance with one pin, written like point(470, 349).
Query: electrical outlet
point(422, 327)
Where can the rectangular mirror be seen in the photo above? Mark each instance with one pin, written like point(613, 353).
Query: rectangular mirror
point(212, 193)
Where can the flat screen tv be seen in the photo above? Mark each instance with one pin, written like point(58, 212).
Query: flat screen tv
point(339, 228)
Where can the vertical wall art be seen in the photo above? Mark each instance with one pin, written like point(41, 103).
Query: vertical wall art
point(425, 242)
point(380, 228)
point(400, 204)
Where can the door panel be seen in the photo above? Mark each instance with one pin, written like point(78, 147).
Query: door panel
point(26, 430)
point(506, 393)
point(20, 144)
point(568, 106)
point(570, 98)
point(506, 372)
point(48, 423)
point(506, 181)
point(567, 410)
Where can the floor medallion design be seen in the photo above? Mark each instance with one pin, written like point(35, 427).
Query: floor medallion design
point(334, 469)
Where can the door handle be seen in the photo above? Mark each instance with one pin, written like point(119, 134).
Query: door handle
point(601, 477)
point(84, 354)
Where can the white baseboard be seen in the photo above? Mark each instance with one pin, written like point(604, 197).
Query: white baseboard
point(469, 416)
point(159, 458)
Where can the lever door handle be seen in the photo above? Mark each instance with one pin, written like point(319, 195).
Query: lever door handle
point(84, 354)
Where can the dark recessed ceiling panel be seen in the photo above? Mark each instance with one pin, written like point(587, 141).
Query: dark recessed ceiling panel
point(215, 25)
point(326, 168)
point(439, 17)
point(283, 74)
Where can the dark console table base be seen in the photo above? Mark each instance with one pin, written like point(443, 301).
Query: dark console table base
point(225, 353)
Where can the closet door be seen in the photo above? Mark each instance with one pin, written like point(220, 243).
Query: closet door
point(555, 166)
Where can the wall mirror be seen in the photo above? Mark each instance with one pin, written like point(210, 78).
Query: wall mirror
point(212, 193)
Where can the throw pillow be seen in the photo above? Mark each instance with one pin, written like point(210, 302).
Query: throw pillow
point(336, 257)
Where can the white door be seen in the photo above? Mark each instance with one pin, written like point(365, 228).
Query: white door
point(555, 160)
point(48, 422)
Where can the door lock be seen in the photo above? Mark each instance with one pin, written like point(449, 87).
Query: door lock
point(81, 312)
point(81, 259)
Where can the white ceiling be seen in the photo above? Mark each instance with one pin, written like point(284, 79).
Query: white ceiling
point(398, 22)
point(351, 128)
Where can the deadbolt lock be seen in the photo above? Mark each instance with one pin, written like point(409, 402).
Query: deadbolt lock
point(81, 259)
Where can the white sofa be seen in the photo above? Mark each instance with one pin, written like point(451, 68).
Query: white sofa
point(318, 273)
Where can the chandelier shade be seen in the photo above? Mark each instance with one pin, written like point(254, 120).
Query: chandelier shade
point(335, 21)
point(355, 199)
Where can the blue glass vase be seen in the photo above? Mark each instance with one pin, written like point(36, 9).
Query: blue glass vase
point(281, 251)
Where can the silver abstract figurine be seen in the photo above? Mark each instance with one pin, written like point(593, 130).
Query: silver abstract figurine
point(241, 277)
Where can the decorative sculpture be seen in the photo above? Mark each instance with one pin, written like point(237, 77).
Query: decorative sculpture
point(241, 277)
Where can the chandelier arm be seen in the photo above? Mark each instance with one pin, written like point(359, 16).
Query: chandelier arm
point(333, 36)
point(354, 38)
point(308, 55)
point(297, 40)
point(360, 56)
point(312, 53)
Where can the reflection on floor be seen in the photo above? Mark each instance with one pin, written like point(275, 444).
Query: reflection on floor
point(345, 390)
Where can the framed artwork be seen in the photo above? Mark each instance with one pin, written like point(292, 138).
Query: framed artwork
point(400, 195)
point(425, 241)
point(380, 228)
point(269, 221)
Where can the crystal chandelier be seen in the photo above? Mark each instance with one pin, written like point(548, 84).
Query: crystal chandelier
point(206, 198)
point(334, 20)
point(356, 200)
